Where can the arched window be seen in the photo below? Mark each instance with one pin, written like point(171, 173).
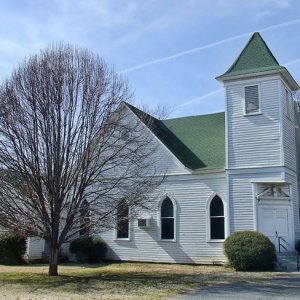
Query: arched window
point(167, 220)
point(85, 219)
point(123, 220)
point(217, 227)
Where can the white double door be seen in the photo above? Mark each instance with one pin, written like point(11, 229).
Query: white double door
point(276, 221)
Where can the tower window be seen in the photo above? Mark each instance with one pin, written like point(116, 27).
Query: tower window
point(287, 103)
point(252, 99)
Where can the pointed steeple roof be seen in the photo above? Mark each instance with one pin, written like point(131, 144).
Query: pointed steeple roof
point(256, 58)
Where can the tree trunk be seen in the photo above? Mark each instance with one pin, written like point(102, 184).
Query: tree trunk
point(53, 257)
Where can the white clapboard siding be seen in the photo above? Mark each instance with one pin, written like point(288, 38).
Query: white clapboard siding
point(297, 138)
point(291, 151)
point(288, 132)
point(35, 248)
point(260, 148)
point(191, 194)
point(298, 195)
point(253, 140)
point(168, 163)
point(291, 177)
point(242, 197)
point(165, 160)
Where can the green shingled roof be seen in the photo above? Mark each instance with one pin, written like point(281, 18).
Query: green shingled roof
point(197, 141)
point(204, 136)
point(256, 57)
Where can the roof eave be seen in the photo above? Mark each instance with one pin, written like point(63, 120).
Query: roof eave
point(207, 170)
point(290, 80)
point(283, 72)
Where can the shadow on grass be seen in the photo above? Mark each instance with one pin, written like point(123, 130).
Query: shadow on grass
point(68, 264)
point(96, 278)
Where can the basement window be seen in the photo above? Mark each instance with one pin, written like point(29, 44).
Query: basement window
point(252, 103)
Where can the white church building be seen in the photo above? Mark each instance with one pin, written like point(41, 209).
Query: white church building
point(226, 172)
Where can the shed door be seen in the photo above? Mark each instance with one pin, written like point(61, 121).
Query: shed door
point(275, 221)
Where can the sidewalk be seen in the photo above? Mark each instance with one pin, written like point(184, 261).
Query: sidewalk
point(283, 286)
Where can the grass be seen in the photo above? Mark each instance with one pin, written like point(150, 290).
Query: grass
point(114, 280)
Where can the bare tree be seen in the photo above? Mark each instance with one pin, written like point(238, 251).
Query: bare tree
point(69, 148)
point(296, 99)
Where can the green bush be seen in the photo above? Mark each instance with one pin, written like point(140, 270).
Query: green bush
point(12, 248)
point(250, 251)
point(297, 246)
point(88, 249)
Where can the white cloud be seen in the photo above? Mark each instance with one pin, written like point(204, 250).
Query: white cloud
point(199, 99)
point(208, 46)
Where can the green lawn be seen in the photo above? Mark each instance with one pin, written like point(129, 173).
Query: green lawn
point(113, 280)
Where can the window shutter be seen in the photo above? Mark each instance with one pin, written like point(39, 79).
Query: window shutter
point(251, 99)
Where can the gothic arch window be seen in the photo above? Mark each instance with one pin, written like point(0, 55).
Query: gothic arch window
point(167, 219)
point(123, 220)
point(216, 219)
point(85, 219)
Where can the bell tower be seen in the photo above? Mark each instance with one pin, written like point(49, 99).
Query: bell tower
point(261, 143)
point(256, 91)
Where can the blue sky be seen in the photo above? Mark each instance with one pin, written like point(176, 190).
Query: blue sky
point(135, 36)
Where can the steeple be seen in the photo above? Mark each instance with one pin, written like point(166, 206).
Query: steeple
point(256, 59)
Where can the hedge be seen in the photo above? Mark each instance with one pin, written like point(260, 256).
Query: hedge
point(88, 249)
point(250, 251)
point(12, 248)
point(297, 246)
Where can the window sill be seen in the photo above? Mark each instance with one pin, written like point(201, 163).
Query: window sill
point(215, 241)
point(252, 114)
point(165, 240)
point(122, 239)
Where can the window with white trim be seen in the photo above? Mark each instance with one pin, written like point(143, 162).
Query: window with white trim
point(252, 99)
point(122, 220)
point(167, 220)
point(287, 104)
point(85, 220)
point(217, 219)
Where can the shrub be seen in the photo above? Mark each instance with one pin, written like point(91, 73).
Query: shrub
point(88, 249)
point(250, 251)
point(12, 248)
point(297, 246)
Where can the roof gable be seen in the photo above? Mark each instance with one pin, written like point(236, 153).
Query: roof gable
point(198, 142)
